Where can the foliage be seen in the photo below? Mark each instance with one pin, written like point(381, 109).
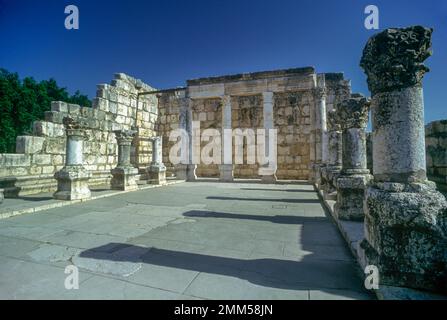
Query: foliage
point(24, 101)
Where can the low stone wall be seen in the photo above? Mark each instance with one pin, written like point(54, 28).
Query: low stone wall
point(436, 149)
point(40, 155)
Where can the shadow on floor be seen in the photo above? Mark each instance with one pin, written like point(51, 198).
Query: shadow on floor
point(274, 273)
point(31, 198)
point(281, 219)
point(265, 199)
point(285, 190)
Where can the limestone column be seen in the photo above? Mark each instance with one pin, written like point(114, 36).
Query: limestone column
point(181, 168)
point(72, 179)
point(268, 102)
point(320, 128)
point(124, 175)
point(192, 167)
point(226, 168)
point(354, 177)
point(406, 217)
point(157, 170)
point(334, 163)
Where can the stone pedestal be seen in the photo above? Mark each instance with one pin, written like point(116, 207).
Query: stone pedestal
point(226, 172)
point(157, 170)
point(354, 176)
point(72, 179)
point(191, 172)
point(406, 217)
point(181, 171)
point(124, 175)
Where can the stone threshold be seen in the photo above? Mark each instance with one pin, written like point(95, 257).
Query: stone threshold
point(353, 232)
point(40, 202)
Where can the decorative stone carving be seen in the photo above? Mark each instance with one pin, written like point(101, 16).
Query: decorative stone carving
point(393, 59)
point(124, 175)
point(406, 217)
point(157, 170)
point(354, 177)
point(72, 179)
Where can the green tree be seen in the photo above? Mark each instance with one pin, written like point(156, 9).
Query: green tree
point(23, 102)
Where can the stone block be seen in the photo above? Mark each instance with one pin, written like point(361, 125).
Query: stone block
point(54, 116)
point(29, 144)
point(48, 129)
point(100, 104)
point(42, 159)
point(406, 235)
point(72, 183)
point(14, 160)
point(59, 106)
point(74, 109)
point(124, 178)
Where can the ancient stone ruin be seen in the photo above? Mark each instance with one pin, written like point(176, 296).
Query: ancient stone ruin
point(376, 181)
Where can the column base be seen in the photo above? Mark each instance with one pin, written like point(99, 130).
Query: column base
point(226, 173)
point(181, 171)
point(330, 175)
point(72, 183)
point(157, 174)
point(124, 178)
point(350, 197)
point(191, 172)
point(406, 235)
point(269, 179)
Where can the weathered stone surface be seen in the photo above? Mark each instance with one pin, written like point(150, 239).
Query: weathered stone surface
point(354, 177)
point(72, 183)
point(157, 170)
point(2, 196)
point(124, 178)
point(406, 217)
point(29, 144)
point(406, 234)
point(393, 59)
point(72, 179)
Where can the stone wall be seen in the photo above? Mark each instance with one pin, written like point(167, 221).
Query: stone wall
point(31, 169)
point(293, 114)
point(246, 113)
point(436, 150)
point(169, 105)
point(209, 113)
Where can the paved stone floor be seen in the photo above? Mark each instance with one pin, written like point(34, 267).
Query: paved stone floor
point(202, 240)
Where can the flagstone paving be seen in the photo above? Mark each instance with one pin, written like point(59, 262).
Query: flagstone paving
point(201, 240)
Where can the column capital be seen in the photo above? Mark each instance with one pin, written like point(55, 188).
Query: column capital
point(333, 123)
point(353, 112)
point(123, 136)
point(226, 100)
point(393, 59)
point(319, 93)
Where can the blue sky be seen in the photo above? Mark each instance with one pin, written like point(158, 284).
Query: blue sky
point(167, 42)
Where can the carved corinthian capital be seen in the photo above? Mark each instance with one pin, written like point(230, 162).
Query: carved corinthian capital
point(124, 135)
point(71, 123)
point(353, 112)
point(333, 123)
point(393, 59)
point(319, 93)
